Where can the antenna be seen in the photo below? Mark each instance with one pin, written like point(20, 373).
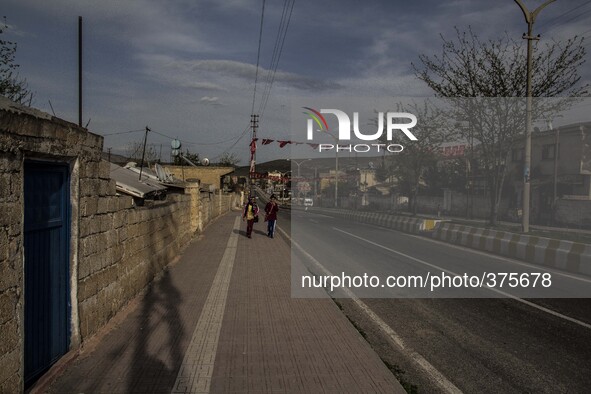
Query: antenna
point(51, 106)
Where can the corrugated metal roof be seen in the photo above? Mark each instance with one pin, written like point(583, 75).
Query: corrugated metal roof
point(128, 182)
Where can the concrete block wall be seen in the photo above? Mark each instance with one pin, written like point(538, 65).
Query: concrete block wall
point(121, 254)
point(26, 133)
point(214, 204)
point(116, 249)
point(576, 213)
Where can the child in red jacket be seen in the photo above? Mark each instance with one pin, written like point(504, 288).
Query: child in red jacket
point(271, 210)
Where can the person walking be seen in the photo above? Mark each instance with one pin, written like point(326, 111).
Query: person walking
point(250, 214)
point(271, 210)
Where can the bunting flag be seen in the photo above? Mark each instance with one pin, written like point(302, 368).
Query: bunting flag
point(282, 143)
point(253, 149)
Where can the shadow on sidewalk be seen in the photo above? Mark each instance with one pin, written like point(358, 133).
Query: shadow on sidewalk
point(157, 354)
point(243, 232)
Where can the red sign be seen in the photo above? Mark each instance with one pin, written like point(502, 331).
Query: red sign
point(453, 150)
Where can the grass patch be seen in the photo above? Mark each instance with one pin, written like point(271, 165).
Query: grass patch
point(395, 369)
point(399, 374)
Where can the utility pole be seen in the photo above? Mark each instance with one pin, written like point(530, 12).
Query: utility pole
point(144, 152)
point(80, 71)
point(336, 177)
point(254, 124)
point(530, 18)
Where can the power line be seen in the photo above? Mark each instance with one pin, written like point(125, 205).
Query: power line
point(172, 138)
point(280, 36)
point(556, 18)
point(122, 132)
point(235, 142)
point(193, 143)
point(273, 56)
point(555, 22)
point(258, 57)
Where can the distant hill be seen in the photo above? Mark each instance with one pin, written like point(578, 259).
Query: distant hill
point(116, 159)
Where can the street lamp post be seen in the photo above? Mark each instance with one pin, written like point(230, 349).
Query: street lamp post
point(284, 185)
point(530, 18)
point(298, 164)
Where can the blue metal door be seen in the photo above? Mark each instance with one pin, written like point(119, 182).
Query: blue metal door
point(46, 244)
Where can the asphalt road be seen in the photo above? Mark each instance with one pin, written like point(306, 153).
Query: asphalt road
point(490, 343)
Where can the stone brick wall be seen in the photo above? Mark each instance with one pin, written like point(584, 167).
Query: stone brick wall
point(116, 248)
point(29, 134)
point(121, 249)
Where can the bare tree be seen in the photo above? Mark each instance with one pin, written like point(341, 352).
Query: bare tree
point(228, 159)
point(496, 68)
point(417, 156)
point(12, 85)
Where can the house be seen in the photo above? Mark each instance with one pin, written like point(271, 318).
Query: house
point(560, 173)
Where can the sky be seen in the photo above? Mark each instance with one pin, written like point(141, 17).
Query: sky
point(187, 68)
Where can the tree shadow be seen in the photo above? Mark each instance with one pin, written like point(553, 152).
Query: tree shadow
point(159, 317)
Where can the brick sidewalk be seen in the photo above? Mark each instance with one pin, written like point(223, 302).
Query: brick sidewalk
point(222, 320)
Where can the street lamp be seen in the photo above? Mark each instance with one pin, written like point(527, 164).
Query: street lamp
point(530, 18)
point(284, 184)
point(298, 164)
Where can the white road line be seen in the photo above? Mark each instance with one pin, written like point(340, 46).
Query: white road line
point(488, 254)
point(197, 368)
point(436, 376)
point(541, 308)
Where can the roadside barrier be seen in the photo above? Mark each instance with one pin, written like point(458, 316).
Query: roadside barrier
point(401, 223)
point(553, 253)
point(565, 255)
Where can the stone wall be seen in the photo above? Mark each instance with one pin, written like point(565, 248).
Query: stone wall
point(116, 248)
point(30, 134)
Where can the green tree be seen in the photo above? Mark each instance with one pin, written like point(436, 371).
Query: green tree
point(12, 85)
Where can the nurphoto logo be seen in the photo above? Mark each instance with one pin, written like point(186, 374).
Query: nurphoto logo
point(344, 130)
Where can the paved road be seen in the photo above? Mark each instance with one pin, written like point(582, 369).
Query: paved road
point(471, 344)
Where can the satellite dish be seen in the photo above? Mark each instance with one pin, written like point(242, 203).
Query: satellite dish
point(160, 172)
point(175, 144)
point(205, 161)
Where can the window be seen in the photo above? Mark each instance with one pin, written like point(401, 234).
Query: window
point(517, 155)
point(549, 151)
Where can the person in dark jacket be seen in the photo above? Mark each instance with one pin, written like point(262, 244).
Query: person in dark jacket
point(250, 212)
point(271, 210)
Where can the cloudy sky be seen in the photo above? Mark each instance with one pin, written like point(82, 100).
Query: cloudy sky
point(186, 68)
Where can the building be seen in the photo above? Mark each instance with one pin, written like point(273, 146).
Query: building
point(560, 173)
